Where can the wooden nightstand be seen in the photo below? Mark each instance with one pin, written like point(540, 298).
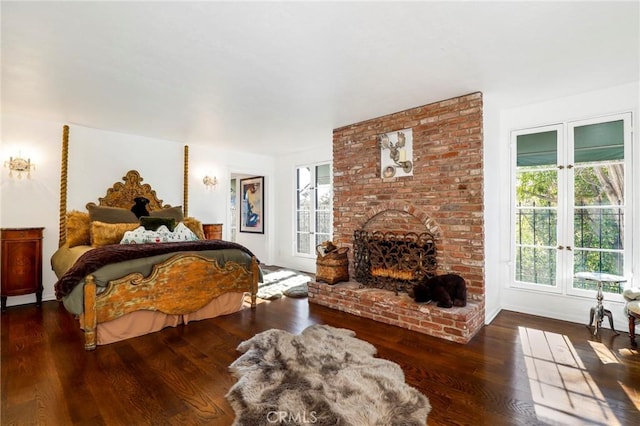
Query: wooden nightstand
point(21, 263)
point(212, 231)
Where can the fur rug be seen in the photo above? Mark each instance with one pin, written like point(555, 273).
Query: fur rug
point(323, 376)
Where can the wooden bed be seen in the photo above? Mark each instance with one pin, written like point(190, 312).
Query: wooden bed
point(180, 286)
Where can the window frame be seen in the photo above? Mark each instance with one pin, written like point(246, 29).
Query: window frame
point(314, 209)
point(556, 287)
point(627, 251)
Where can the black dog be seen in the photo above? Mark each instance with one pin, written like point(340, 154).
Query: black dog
point(448, 290)
point(140, 207)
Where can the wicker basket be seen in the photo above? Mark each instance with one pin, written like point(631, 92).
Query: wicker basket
point(332, 267)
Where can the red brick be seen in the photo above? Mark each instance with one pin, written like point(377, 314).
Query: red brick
point(444, 195)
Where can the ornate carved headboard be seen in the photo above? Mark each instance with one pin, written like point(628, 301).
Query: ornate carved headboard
point(123, 194)
point(120, 194)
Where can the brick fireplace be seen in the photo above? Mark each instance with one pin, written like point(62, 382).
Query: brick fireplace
point(443, 197)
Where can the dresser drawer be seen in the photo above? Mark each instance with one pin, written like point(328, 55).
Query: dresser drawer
point(212, 231)
point(22, 234)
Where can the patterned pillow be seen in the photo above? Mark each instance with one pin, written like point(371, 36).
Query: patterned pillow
point(109, 233)
point(141, 235)
point(78, 226)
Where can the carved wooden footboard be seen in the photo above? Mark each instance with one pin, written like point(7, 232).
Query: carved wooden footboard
point(180, 285)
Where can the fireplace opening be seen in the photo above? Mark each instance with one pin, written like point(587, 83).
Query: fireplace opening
point(392, 260)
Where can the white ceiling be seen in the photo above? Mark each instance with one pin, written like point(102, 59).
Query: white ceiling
point(279, 76)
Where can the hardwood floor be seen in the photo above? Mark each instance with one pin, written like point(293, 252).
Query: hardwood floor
point(519, 370)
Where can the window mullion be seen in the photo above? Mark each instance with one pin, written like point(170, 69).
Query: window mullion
point(566, 206)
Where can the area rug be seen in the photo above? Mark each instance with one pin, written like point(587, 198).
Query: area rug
point(323, 376)
point(278, 282)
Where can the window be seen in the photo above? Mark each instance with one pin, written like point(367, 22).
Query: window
point(537, 206)
point(570, 211)
point(314, 207)
point(598, 199)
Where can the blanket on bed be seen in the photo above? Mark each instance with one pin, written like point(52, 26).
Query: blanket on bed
point(96, 258)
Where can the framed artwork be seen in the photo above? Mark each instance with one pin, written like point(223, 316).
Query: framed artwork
point(252, 205)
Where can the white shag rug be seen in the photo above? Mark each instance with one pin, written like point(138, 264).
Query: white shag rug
point(323, 376)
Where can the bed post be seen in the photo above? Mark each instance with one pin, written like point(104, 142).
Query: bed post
point(185, 200)
point(62, 233)
point(90, 316)
point(255, 276)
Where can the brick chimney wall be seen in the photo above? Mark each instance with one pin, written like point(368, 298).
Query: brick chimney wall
point(444, 195)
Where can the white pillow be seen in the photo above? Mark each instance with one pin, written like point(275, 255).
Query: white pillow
point(141, 235)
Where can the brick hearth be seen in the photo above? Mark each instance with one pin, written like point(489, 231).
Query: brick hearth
point(458, 324)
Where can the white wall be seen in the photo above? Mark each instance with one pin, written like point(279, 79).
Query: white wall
point(498, 203)
point(99, 158)
point(213, 206)
point(494, 213)
point(285, 182)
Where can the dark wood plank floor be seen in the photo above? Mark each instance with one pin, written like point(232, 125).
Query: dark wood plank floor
point(520, 370)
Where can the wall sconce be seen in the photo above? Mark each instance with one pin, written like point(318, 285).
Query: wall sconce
point(210, 182)
point(19, 165)
point(397, 152)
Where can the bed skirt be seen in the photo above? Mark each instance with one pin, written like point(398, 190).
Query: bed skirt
point(140, 323)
